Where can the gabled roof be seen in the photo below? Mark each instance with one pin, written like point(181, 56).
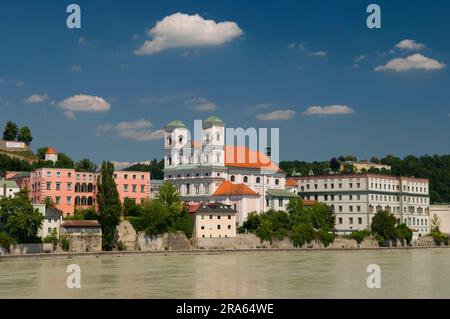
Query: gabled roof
point(242, 156)
point(8, 184)
point(228, 188)
point(210, 208)
point(52, 213)
point(290, 182)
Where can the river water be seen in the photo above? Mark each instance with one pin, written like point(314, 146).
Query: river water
point(416, 273)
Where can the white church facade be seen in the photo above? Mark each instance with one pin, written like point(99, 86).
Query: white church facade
point(209, 170)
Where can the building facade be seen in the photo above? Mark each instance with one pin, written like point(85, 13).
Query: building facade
point(8, 188)
point(364, 166)
point(208, 170)
point(442, 211)
point(213, 220)
point(356, 198)
point(69, 189)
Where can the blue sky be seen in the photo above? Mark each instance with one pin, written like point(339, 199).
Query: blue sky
point(311, 68)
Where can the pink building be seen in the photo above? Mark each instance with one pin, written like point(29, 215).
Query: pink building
point(71, 190)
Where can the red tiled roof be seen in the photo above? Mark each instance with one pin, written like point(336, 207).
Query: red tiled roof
point(291, 182)
point(241, 156)
point(51, 151)
point(227, 188)
point(309, 202)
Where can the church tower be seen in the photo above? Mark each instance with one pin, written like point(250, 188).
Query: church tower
point(213, 141)
point(176, 144)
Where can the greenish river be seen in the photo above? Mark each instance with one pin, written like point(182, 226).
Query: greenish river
point(415, 273)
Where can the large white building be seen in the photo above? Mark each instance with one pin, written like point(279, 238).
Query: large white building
point(356, 198)
point(8, 188)
point(208, 170)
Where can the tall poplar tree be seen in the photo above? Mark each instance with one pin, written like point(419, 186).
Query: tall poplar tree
point(109, 207)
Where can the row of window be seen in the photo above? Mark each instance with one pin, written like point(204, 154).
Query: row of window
point(385, 198)
point(357, 185)
point(90, 177)
point(410, 221)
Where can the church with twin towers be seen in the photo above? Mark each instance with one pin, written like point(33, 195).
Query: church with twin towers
point(206, 170)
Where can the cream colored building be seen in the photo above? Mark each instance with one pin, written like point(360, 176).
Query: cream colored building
point(213, 220)
point(364, 165)
point(356, 198)
point(443, 213)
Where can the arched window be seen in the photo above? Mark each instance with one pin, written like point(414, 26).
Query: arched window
point(77, 187)
point(258, 180)
point(232, 178)
point(169, 161)
point(218, 137)
point(277, 182)
point(180, 139)
point(90, 201)
point(169, 140)
point(83, 201)
point(245, 179)
point(90, 187)
point(77, 201)
point(218, 158)
point(84, 187)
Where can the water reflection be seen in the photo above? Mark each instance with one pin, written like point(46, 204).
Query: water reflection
point(311, 274)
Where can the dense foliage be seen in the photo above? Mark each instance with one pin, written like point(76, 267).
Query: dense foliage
point(109, 206)
point(164, 214)
point(156, 168)
point(300, 224)
point(436, 168)
point(384, 228)
point(20, 220)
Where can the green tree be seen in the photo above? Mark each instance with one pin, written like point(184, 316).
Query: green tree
point(130, 208)
point(5, 240)
point(40, 152)
point(109, 206)
point(49, 203)
point(25, 135)
point(20, 220)
point(435, 223)
point(10, 131)
point(383, 225)
point(85, 165)
point(402, 231)
point(64, 161)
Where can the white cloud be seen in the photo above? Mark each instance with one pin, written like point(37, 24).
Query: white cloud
point(183, 30)
point(358, 59)
point(139, 130)
point(70, 115)
point(279, 115)
point(76, 68)
point(202, 105)
point(85, 103)
point(408, 44)
point(318, 53)
point(328, 110)
point(413, 62)
point(36, 98)
point(301, 45)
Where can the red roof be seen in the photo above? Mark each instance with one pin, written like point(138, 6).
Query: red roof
point(309, 202)
point(241, 156)
point(193, 207)
point(291, 182)
point(51, 151)
point(227, 188)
